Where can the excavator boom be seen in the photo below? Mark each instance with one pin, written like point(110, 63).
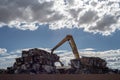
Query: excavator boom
point(72, 44)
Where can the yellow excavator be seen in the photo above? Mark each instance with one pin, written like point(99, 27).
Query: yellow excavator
point(75, 63)
point(78, 63)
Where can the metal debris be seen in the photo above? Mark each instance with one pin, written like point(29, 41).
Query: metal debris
point(37, 61)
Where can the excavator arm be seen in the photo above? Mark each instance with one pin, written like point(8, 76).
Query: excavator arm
point(72, 44)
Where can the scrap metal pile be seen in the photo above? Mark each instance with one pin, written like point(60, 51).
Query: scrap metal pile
point(37, 61)
point(92, 65)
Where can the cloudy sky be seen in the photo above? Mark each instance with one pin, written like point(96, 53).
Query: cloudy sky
point(94, 25)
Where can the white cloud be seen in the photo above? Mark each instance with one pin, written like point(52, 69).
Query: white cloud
point(94, 16)
point(3, 50)
point(8, 58)
point(6, 63)
point(89, 49)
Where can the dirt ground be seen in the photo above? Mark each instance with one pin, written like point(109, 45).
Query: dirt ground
point(62, 77)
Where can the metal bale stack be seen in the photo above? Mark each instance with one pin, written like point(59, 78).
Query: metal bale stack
point(93, 62)
point(35, 61)
point(94, 65)
point(89, 65)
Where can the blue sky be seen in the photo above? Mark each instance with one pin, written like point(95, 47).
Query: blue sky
point(13, 39)
point(94, 24)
